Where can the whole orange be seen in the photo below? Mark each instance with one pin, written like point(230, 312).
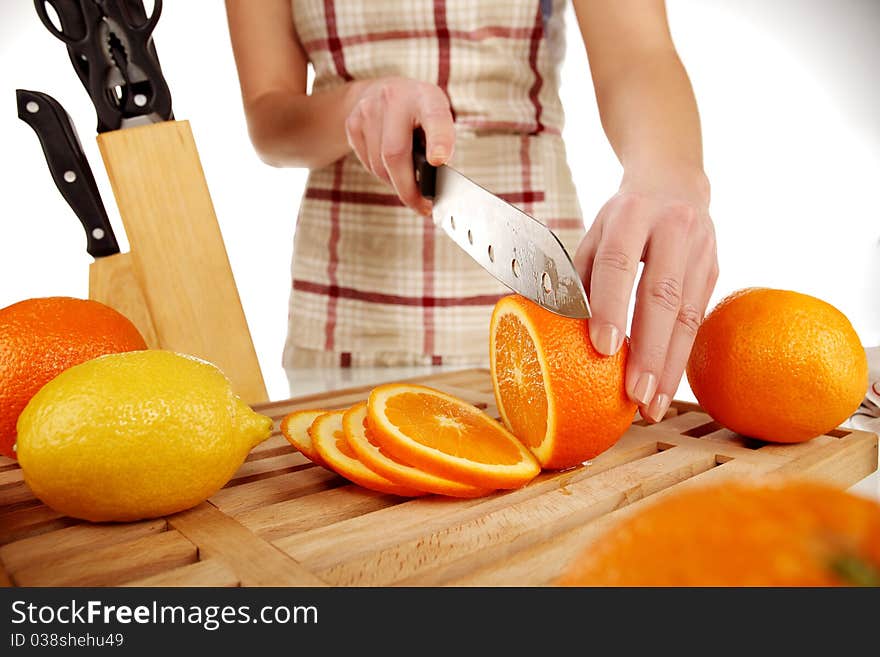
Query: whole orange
point(554, 391)
point(777, 365)
point(740, 534)
point(40, 338)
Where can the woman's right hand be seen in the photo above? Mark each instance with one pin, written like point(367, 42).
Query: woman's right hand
point(380, 129)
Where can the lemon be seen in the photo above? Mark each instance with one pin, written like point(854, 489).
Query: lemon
point(135, 435)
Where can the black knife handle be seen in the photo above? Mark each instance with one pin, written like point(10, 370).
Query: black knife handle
point(426, 173)
point(69, 167)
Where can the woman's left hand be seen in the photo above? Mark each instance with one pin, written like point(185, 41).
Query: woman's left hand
point(668, 227)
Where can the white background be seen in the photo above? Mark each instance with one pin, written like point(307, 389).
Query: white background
point(788, 98)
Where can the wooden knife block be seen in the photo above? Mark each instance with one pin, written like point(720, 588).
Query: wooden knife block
point(177, 251)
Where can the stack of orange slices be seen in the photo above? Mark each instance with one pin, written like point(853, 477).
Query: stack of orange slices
point(561, 403)
point(411, 440)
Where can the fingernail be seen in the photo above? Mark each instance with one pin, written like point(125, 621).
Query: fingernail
point(644, 388)
point(439, 155)
point(658, 407)
point(606, 339)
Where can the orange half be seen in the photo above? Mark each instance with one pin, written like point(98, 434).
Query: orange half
point(295, 428)
point(371, 453)
point(554, 391)
point(447, 437)
point(329, 440)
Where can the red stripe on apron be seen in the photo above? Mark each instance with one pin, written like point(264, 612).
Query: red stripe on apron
point(479, 34)
point(343, 292)
point(375, 198)
point(537, 35)
point(333, 42)
point(333, 261)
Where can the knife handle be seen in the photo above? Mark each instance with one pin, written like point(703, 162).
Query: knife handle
point(426, 173)
point(69, 167)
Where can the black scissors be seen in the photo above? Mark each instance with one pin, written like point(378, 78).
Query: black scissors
point(111, 46)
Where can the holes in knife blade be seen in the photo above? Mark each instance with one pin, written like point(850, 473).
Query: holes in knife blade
point(470, 237)
point(452, 222)
point(546, 283)
point(514, 265)
point(491, 254)
point(32, 106)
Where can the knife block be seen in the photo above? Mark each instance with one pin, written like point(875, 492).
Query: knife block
point(177, 250)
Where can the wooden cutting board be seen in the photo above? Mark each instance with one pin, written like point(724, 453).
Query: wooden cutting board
point(283, 521)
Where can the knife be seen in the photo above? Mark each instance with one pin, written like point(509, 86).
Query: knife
point(177, 250)
point(111, 279)
point(514, 247)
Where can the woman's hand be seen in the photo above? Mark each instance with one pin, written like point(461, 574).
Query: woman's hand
point(674, 236)
point(380, 131)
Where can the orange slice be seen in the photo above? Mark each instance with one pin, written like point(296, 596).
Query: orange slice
point(329, 440)
point(554, 391)
point(447, 437)
point(295, 427)
point(371, 453)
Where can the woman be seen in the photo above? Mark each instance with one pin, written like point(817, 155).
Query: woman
point(373, 281)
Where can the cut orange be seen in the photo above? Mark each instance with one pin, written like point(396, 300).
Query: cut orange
point(295, 427)
point(554, 391)
point(371, 453)
point(328, 438)
point(447, 437)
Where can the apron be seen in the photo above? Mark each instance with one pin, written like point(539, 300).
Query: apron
point(373, 283)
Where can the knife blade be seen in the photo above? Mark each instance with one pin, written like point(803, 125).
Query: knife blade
point(111, 277)
point(513, 246)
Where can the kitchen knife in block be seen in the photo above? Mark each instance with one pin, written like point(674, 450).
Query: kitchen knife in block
point(177, 251)
point(111, 279)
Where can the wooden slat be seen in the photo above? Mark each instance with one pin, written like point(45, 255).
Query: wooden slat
point(274, 446)
point(112, 565)
point(10, 477)
point(254, 561)
point(318, 510)
point(245, 497)
point(211, 572)
point(16, 496)
point(269, 467)
point(77, 539)
point(20, 524)
point(841, 463)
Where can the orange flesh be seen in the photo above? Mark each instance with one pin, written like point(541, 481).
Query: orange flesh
point(521, 382)
point(343, 446)
point(436, 423)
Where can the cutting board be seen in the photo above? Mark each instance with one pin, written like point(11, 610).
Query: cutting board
point(283, 521)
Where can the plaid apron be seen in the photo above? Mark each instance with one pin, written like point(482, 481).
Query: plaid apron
point(373, 282)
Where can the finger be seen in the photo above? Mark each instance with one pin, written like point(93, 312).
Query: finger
point(613, 273)
point(435, 117)
point(586, 253)
point(354, 132)
point(698, 286)
point(658, 301)
point(371, 112)
point(397, 155)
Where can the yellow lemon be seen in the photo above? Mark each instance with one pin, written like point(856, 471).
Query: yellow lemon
point(135, 435)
